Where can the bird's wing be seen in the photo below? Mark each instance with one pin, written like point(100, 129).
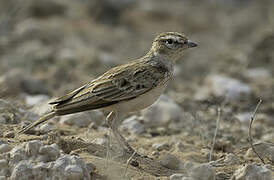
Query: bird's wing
point(118, 84)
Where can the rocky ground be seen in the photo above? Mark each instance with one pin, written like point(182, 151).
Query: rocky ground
point(50, 47)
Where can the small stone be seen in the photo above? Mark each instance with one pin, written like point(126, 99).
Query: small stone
point(252, 172)
point(45, 128)
point(176, 177)
point(3, 164)
point(83, 119)
point(100, 141)
point(51, 151)
point(201, 172)
point(74, 172)
point(9, 134)
point(258, 74)
point(161, 146)
point(133, 125)
point(5, 148)
point(32, 147)
point(230, 88)
point(172, 162)
point(36, 99)
point(17, 81)
point(9, 114)
point(244, 117)
point(163, 112)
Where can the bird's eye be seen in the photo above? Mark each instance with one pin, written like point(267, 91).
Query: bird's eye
point(185, 42)
point(169, 41)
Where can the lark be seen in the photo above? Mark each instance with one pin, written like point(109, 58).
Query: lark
point(125, 88)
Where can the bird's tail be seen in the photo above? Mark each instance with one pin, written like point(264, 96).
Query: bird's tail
point(39, 121)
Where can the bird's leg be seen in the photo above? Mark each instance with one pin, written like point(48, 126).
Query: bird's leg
point(109, 119)
point(113, 123)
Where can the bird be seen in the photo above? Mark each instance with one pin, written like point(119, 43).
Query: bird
point(126, 88)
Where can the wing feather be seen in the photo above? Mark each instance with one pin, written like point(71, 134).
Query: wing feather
point(118, 84)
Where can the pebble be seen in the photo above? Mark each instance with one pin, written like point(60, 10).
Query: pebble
point(74, 172)
point(201, 172)
point(252, 172)
point(176, 177)
point(230, 88)
point(172, 162)
point(83, 119)
point(244, 117)
point(100, 141)
point(133, 125)
point(50, 151)
point(45, 128)
point(162, 112)
point(33, 159)
point(32, 100)
point(17, 81)
point(258, 74)
point(5, 148)
point(161, 146)
point(8, 113)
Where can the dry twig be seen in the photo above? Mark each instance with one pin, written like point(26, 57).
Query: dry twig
point(249, 130)
point(128, 162)
point(215, 134)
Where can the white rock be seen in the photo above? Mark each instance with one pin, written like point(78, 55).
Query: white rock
point(36, 99)
point(3, 163)
point(244, 117)
point(176, 177)
point(32, 147)
point(161, 146)
point(164, 111)
point(133, 125)
point(45, 128)
point(100, 141)
point(258, 74)
point(172, 162)
point(22, 171)
point(74, 172)
point(252, 172)
point(201, 172)
point(4, 167)
point(83, 119)
point(5, 148)
point(33, 159)
point(230, 88)
point(52, 152)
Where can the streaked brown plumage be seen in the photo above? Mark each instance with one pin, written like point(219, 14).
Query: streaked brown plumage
point(129, 87)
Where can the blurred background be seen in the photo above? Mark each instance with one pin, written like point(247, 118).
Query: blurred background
point(62, 44)
point(50, 47)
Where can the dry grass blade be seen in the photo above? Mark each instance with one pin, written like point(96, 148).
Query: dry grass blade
point(249, 130)
point(128, 162)
point(215, 134)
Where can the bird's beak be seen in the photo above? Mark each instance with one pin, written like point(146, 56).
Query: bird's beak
point(191, 44)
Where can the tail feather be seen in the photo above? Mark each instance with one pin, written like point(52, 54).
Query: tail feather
point(36, 123)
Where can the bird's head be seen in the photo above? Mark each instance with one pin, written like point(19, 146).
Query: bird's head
point(171, 45)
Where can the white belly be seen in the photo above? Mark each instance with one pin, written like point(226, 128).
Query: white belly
point(140, 102)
